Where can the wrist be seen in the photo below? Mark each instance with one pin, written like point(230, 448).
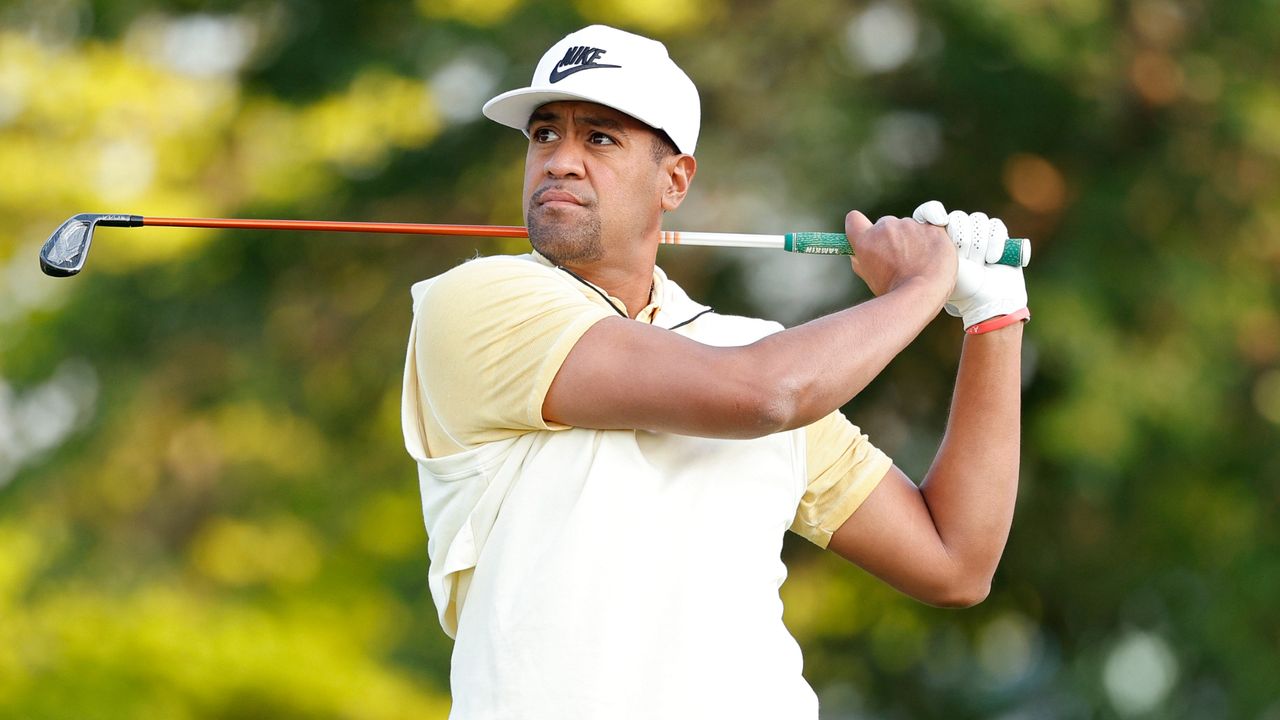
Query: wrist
point(931, 290)
point(1000, 322)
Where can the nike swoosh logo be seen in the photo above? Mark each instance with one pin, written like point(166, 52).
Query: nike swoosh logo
point(557, 74)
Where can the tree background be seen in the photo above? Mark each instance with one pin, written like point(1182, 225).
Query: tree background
point(205, 507)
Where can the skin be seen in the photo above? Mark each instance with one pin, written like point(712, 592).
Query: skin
point(594, 197)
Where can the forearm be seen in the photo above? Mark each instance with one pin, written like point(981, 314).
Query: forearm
point(971, 488)
point(784, 381)
point(628, 375)
point(821, 365)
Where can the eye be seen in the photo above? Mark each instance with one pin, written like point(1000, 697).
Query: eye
point(599, 138)
point(544, 135)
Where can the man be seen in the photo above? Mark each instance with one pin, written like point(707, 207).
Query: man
point(608, 467)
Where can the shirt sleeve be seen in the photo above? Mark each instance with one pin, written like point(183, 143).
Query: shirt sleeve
point(844, 467)
point(491, 336)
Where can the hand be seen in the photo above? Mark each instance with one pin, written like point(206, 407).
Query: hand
point(986, 291)
point(982, 291)
point(894, 251)
point(976, 236)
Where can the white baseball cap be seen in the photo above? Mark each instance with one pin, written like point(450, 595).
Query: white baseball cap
point(618, 69)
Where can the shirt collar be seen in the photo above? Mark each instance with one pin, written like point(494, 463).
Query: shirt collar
point(657, 291)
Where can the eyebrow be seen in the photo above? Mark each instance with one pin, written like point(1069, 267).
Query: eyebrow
point(607, 123)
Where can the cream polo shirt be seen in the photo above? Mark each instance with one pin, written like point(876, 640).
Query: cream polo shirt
point(495, 389)
point(588, 573)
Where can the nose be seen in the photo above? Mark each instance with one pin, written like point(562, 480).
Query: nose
point(564, 161)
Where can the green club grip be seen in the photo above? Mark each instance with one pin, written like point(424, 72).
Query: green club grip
point(821, 243)
point(818, 243)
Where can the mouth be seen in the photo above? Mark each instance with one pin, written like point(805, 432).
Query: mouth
point(555, 197)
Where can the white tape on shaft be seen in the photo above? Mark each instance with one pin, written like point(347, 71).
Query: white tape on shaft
point(672, 237)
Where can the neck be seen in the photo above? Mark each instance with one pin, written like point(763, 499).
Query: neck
point(631, 282)
point(625, 272)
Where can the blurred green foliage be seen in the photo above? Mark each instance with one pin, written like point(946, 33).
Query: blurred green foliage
point(205, 507)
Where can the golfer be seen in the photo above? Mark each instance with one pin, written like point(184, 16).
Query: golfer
point(608, 466)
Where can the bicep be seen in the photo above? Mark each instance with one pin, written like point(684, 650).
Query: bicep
point(623, 374)
point(892, 535)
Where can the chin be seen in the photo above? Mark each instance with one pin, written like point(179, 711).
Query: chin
point(565, 241)
point(561, 251)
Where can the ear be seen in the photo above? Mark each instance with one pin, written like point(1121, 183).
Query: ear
point(678, 171)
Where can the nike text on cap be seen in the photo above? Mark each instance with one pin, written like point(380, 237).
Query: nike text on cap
point(618, 69)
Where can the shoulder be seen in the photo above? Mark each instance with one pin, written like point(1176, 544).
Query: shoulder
point(497, 269)
point(487, 280)
point(500, 265)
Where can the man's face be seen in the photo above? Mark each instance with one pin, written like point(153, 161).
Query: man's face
point(590, 181)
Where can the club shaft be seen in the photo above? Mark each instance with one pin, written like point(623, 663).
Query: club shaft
point(668, 237)
point(340, 226)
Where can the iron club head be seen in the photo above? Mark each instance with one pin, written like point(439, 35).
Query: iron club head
point(64, 253)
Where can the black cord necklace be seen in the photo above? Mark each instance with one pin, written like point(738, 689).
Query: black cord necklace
point(599, 292)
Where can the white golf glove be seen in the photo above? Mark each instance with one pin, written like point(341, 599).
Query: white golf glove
point(982, 291)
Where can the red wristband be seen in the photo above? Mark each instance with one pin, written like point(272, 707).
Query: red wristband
point(998, 322)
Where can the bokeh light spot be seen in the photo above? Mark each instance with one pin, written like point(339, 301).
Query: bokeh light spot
point(1008, 648)
point(462, 86)
point(1035, 183)
point(198, 45)
point(1139, 673)
point(883, 37)
point(908, 140)
point(1157, 77)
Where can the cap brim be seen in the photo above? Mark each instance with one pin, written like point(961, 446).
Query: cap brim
point(513, 108)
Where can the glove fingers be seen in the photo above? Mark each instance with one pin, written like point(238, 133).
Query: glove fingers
point(963, 229)
point(979, 236)
point(931, 212)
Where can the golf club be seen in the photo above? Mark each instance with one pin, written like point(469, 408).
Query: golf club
point(64, 253)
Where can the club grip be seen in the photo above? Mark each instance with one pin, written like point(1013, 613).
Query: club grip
point(817, 243)
point(1017, 251)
